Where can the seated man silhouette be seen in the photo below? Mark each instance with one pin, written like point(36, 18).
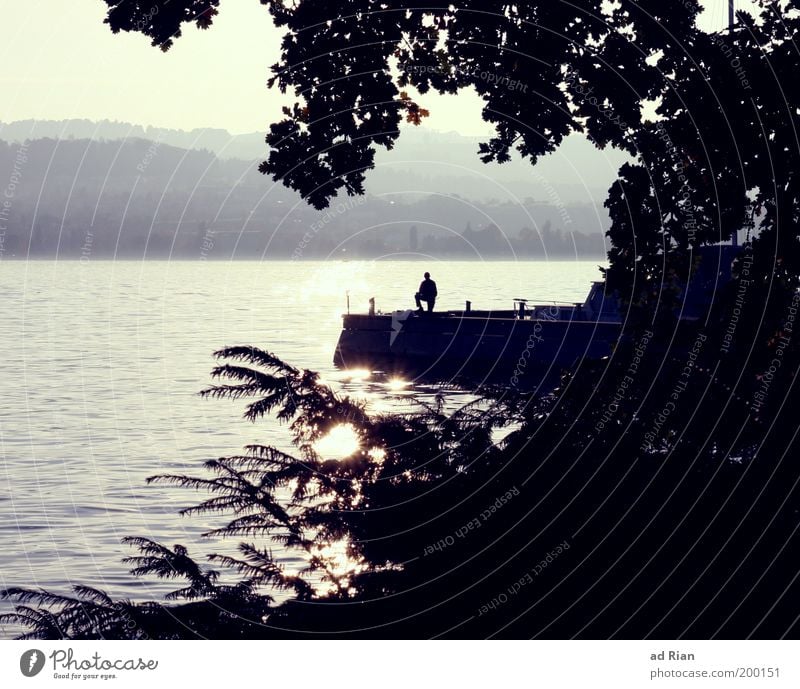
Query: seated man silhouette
point(427, 293)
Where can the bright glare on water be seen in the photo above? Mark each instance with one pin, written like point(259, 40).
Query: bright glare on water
point(339, 443)
point(101, 366)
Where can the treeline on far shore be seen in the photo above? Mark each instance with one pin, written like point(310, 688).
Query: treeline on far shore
point(201, 242)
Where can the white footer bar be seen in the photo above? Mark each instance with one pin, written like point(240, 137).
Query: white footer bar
point(401, 664)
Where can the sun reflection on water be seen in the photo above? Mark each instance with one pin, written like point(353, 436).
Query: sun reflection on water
point(340, 442)
point(339, 564)
point(356, 374)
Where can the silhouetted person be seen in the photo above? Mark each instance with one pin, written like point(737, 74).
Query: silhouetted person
point(427, 293)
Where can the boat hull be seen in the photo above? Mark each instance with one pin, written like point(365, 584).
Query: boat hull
point(471, 345)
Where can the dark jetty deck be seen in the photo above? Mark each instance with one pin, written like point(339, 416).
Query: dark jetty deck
point(474, 344)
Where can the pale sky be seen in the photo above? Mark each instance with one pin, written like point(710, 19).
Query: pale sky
point(59, 61)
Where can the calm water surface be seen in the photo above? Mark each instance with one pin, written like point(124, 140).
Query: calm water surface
point(100, 369)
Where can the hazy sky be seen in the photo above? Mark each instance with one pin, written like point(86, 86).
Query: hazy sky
point(60, 61)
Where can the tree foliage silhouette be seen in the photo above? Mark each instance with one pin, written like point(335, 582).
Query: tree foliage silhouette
point(161, 21)
point(305, 503)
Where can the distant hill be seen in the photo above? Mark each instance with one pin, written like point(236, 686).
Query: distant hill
point(218, 141)
point(136, 197)
point(422, 160)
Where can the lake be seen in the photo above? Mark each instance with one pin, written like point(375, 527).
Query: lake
point(102, 362)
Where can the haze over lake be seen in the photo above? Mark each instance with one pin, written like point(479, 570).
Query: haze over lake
point(102, 362)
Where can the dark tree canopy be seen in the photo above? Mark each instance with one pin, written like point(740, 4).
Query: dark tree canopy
point(349, 63)
point(160, 20)
point(589, 67)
